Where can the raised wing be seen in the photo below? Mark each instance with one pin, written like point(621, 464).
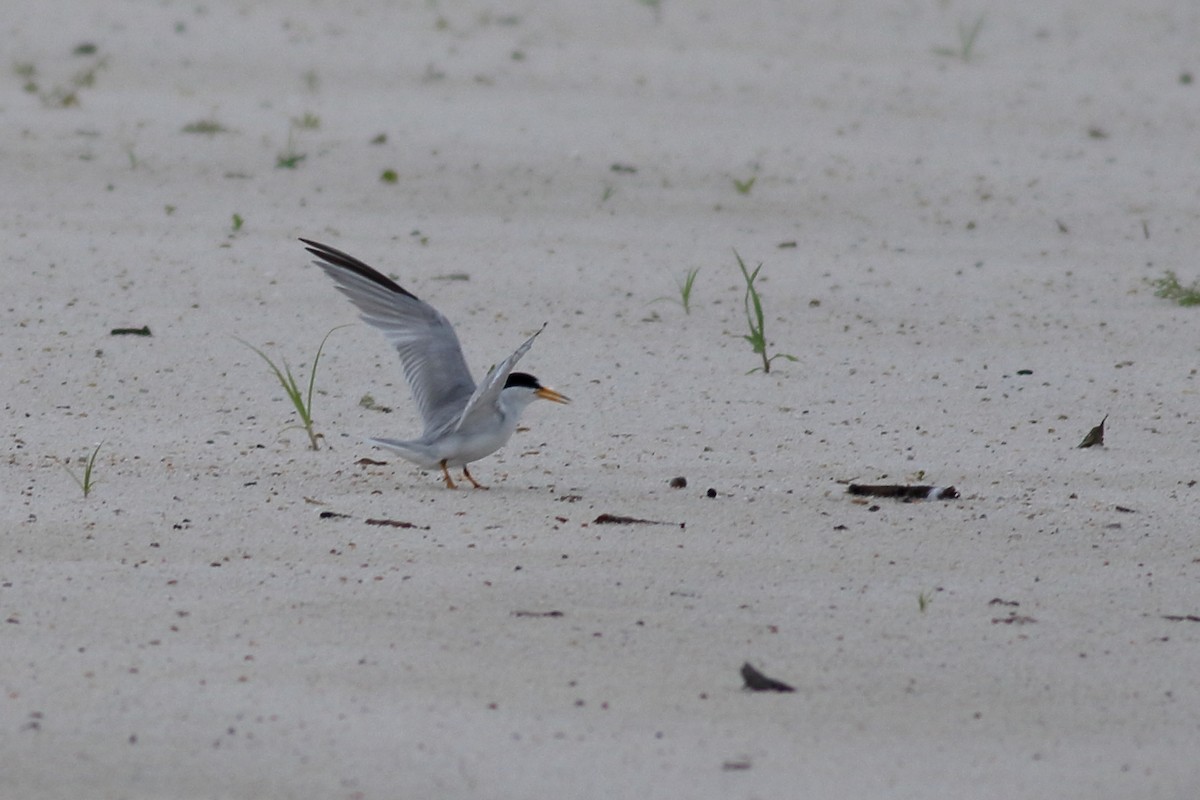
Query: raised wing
point(428, 347)
point(483, 401)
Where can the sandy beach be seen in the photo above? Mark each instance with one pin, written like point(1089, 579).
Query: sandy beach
point(960, 209)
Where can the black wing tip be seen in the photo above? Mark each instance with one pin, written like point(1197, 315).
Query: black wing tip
point(332, 257)
point(325, 252)
point(321, 250)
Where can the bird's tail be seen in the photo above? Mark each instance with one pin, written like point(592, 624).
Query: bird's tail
point(410, 451)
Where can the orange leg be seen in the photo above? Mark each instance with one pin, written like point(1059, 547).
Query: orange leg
point(446, 475)
point(475, 483)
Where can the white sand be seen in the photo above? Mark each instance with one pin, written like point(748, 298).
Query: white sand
point(195, 629)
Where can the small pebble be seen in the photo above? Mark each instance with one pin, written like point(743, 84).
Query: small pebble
point(678, 483)
point(711, 492)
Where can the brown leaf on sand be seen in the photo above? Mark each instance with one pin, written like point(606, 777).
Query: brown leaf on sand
point(1095, 436)
point(617, 519)
point(397, 523)
point(757, 682)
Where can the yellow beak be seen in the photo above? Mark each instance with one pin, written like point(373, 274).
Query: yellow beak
point(551, 395)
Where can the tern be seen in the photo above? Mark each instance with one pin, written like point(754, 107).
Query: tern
point(463, 422)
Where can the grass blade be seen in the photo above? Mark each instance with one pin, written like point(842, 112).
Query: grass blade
point(302, 402)
point(89, 467)
point(756, 318)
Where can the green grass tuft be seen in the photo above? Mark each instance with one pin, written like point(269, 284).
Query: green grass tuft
point(685, 291)
point(924, 600)
point(1168, 287)
point(87, 481)
point(755, 318)
point(301, 401)
point(289, 159)
point(744, 187)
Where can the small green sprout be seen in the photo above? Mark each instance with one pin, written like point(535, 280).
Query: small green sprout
point(89, 466)
point(389, 176)
point(237, 222)
point(1168, 287)
point(924, 599)
point(301, 401)
point(744, 187)
point(289, 159)
point(967, 34)
point(685, 291)
point(755, 319)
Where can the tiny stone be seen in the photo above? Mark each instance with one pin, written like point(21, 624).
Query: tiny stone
point(679, 483)
point(711, 492)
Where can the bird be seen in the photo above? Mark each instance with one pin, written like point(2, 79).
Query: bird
point(463, 422)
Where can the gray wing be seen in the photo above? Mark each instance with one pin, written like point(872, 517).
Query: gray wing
point(428, 347)
point(483, 401)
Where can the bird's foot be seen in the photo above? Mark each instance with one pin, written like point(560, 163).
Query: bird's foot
point(447, 478)
point(468, 476)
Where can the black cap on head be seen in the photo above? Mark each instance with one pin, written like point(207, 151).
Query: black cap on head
point(522, 379)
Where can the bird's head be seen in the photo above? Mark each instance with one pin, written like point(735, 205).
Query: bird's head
point(523, 388)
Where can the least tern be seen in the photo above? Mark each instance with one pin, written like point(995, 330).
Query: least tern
point(463, 422)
